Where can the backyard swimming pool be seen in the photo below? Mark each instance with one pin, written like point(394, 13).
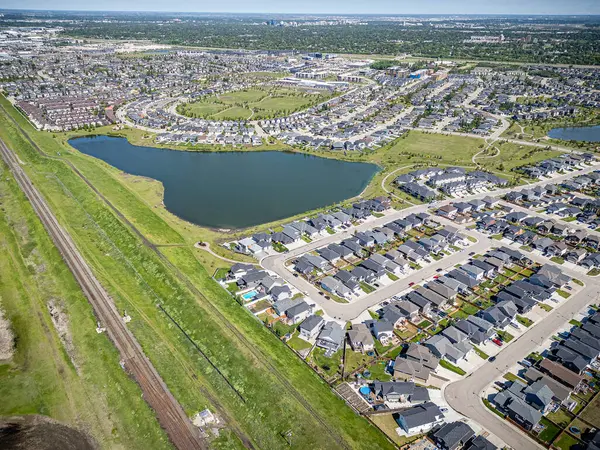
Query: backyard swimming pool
point(249, 295)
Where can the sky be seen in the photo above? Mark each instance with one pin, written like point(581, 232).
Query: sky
point(568, 7)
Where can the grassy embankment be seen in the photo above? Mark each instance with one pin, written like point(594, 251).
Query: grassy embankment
point(537, 131)
point(253, 365)
point(68, 371)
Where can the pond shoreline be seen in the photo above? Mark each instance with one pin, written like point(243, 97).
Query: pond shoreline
point(235, 190)
point(586, 133)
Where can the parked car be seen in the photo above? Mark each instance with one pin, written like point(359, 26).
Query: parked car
point(412, 283)
point(497, 341)
point(492, 359)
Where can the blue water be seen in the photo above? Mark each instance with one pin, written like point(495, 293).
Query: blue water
point(584, 134)
point(249, 295)
point(235, 189)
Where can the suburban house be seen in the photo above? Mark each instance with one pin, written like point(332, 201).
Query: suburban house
point(441, 347)
point(561, 394)
point(401, 392)
point(417, 363)
point(310, 328)
point(331, 337)
point(512, 401)
point(452, 435)
point(360, 338)
point(420, 418)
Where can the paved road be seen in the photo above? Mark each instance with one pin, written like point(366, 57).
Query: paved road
point(465, 395)
point(348, 311)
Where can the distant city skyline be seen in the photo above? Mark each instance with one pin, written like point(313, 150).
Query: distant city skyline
point(550, 7)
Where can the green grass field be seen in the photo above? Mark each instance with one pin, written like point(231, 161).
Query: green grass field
point(591, 413)
point(256, 103)
point(253, 363)
point(73, 377)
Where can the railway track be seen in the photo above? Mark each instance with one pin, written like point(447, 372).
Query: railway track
point(171, 416)
point(263, 359)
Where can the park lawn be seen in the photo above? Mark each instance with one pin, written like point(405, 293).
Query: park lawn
point(79, 384)
point(550, 431)
point(201, 109)
point(245, 96)
point(247, 354)
point(284, 103)
point(516, 155)
point(233, 113)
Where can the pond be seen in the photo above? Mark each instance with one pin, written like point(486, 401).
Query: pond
point(584, 134)
point(235, 189)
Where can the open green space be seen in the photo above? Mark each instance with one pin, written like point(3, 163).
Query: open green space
point(61, 367)
point(252, 362)
point(256, 103)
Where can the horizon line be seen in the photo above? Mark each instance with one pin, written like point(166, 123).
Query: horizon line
point(303, 13)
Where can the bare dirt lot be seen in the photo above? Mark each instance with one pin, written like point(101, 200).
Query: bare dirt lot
point(41, 433)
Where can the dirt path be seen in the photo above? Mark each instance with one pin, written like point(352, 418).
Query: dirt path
point(206, 248)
